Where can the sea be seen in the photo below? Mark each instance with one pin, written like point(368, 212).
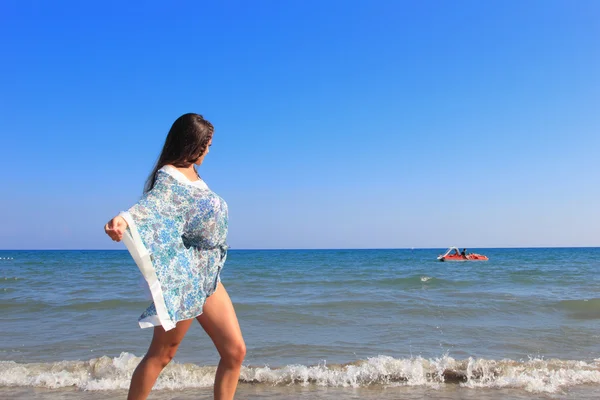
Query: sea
point(318, 324)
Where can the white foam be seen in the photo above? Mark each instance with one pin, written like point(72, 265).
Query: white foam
point(102, 373)
point(535, 375)
point(106, 373)
point(425, 278)
point(378, 370)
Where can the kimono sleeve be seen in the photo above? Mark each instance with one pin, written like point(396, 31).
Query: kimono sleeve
point(154, 240)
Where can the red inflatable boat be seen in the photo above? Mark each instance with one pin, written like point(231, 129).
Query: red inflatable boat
point(453, 254)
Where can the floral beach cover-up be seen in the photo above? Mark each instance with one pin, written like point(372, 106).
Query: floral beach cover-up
point(177, 236)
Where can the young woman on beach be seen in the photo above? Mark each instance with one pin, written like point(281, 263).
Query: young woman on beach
point(177, 235)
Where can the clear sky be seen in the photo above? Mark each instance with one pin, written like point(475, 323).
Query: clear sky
point(338, 124)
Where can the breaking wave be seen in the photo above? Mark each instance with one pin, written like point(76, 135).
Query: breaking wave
point(106, 373)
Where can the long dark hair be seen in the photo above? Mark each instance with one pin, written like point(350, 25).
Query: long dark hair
point(186, 142)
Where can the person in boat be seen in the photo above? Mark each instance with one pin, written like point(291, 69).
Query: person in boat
point(463, 253)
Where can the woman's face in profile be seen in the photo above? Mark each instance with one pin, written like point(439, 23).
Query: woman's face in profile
point(199, 160)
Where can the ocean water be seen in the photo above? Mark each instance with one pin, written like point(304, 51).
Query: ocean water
point(318, 324)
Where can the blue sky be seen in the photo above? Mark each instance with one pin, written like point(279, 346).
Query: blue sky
point(338, 124)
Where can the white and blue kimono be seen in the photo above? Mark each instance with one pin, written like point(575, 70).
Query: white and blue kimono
point(177, 236)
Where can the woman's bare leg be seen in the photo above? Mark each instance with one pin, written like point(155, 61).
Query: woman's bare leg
point(162, 350)
point(221, 324)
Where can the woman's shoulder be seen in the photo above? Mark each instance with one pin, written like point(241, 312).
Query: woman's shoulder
point(179, 177)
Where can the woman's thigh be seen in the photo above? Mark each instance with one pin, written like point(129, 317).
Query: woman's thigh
point(220, 321)
point(165, 343)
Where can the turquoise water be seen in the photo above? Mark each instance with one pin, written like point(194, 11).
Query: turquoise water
point(363, 323)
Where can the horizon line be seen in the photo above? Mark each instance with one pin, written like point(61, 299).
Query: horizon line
point(341, 248)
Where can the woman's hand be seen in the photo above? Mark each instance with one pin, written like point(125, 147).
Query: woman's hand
point(115, 228)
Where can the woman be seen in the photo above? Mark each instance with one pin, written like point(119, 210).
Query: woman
point(176, 234)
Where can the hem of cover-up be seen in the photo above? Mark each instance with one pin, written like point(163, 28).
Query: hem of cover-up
point(149, 322)
point(141, 256)
point(152, 320)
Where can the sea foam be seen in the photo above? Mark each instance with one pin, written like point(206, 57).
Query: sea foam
point(106, 373)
